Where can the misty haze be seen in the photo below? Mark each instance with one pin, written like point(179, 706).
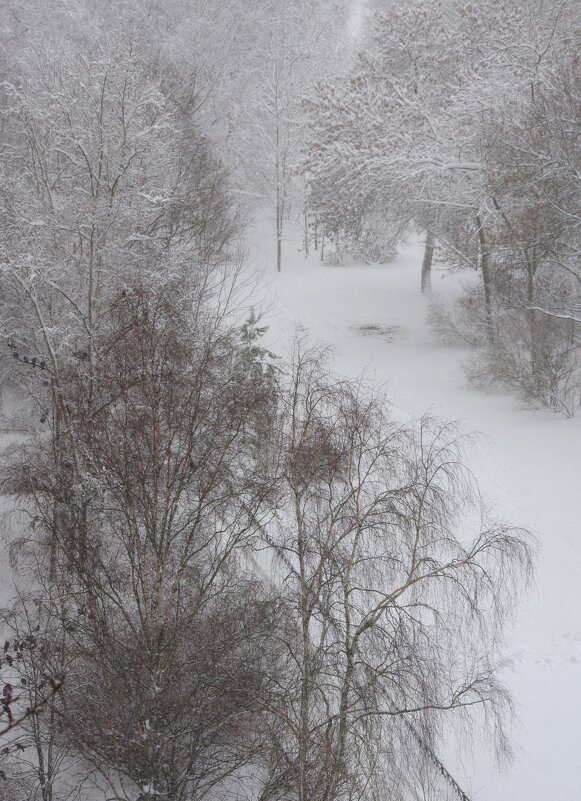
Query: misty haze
point(290, 400)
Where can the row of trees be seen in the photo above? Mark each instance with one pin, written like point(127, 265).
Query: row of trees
point(463, 120)
point(233, 575)
point(243, 69)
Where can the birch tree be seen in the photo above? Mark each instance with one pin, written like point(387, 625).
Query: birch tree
point(398, 612)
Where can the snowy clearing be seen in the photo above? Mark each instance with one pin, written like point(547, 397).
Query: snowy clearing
point(527, 462)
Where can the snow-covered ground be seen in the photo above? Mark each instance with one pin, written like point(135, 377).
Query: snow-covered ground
point(528, 464)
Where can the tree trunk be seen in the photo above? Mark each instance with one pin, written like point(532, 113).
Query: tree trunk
point(280, 166)
point(486, 280)
point(280, 210)
point(427, 264)
point(538, 367)
point(306, 222)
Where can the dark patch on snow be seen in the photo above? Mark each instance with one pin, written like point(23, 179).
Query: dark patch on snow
point(389, 332)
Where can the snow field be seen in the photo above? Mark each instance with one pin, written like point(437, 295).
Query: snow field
point(527, 463)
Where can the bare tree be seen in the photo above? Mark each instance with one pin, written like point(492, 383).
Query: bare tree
point(148, 499)
point(399, 609)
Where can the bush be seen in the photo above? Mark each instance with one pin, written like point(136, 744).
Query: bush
point(532, 352)
point(463, 323)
